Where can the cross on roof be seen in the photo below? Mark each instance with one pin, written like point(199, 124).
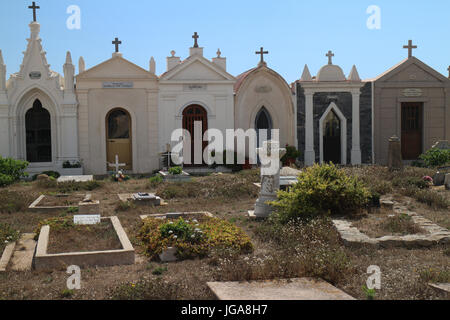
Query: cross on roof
point(116, 42)
point(34, 7)
point(330, 56)
point(410, 48)
point(195, 37)
point(262, 53)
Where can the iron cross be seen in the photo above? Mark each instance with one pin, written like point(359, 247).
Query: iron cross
point(262, 53)
point(116, 42)
point(34, 7)
point(330, 56)
point(410, 48)
point(195, 37)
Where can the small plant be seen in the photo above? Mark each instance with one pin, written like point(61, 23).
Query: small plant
point(58, 223)
point(7, 235)
point(291, 155)
point(175, 170)
point(69, 165)
point(159, 271)
point(370, 293)
point(72, 210)
point(155, 180)
point(67, 293)
point(124, 206)
point(11, 170)
point(436, 157)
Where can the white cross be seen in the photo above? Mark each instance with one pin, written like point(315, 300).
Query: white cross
point(117, 165)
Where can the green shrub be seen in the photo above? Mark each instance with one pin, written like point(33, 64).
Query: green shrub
point(6, 180)
point(436, 157)
point(291, 153)
point(7, 235)
point(12, 167)
point(321, 190)
point(175, 170)
point(155, 181)
point(192, 238)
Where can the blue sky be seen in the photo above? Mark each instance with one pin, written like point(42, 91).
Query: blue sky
point(294, 31)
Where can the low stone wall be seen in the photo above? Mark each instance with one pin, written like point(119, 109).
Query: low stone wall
point(124, 256)
point(436, 235)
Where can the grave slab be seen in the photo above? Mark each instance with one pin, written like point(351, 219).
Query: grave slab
point(6, 256)
point(286, 289)
point(22, 258)
point(83, 178)
point(156, 201)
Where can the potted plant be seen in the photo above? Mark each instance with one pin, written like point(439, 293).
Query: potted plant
point(292, 154)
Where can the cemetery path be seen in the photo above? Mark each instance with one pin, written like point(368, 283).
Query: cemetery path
point(22, 258)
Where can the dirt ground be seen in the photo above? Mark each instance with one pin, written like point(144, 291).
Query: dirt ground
point(402, 269)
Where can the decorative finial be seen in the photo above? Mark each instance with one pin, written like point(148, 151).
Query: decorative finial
point(218, 53)
point(447, 69)
point(81, 65)
point(173, 53)
point(2, 62)
point(152, 65)
point(34, 8)
point(68, 58)
point(410, 48)
point(330, 56)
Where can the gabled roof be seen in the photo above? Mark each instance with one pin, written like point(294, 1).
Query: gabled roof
point(130, 70)
point(184, 65)
point(405, 64)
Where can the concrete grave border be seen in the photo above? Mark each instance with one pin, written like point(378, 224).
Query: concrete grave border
point(124, 256)
point(184, 176)
point(83, 207)
point(7, 255)
point(436, 235)
point(128, 197)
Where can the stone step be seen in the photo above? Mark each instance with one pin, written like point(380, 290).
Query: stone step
point(22, 258)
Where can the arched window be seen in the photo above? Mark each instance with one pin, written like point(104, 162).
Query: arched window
point(263, 121)
point(39, 134)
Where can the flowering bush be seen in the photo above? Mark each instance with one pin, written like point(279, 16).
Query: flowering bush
point(7, 235)
point(192, 238)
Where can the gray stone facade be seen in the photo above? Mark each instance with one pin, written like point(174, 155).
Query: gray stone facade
point(343, 100)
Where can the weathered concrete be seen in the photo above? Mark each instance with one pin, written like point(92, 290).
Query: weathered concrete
point(184, 176)
point(286, 289)
point(22, 258)
point(84, 178)
point(129, 197)
point(124, 256)
point(436, 235)
point(441, 287)
point(6, 256)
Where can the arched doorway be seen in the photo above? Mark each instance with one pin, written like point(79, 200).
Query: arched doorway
point(38, 134)
point(332, 138)
point(192, 114)
point(118, 138)
point(263, 121)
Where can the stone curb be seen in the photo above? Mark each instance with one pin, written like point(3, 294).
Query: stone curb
point(6, 256)
point(124, 256)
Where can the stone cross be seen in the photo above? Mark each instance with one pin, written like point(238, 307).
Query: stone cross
point(262, 53)
point(410, 48)
point(195, 37)
point(219, 53)
point(116, 42)
point(330, 56)
point(34, 7)
point(117, 165)
point(270, 176)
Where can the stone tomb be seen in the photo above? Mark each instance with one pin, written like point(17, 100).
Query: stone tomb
point(184, 176)
point(86, 206)
point(169, 255)
point(45, 261)
point(285, 289)
point(142, 198)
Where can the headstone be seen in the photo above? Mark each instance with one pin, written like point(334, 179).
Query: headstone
point(169, 255)
point(395, 161)
point(87, 219)
point(270, 155)
point(447, 181)
point(439, 179)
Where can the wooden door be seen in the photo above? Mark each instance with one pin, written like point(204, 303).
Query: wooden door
point(192, 114)
point(118, 138)
point(332, 139)
point(412, 123)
